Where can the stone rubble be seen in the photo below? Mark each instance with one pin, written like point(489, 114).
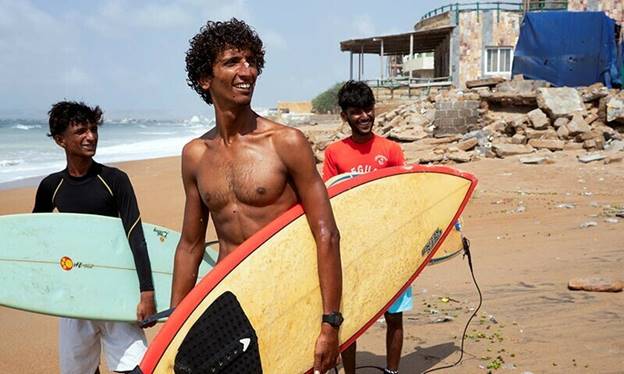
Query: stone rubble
point(513, 117)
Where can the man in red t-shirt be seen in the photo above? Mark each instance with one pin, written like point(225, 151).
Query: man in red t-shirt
point(364, 152)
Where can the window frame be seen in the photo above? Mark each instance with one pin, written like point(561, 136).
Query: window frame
point(497, 49)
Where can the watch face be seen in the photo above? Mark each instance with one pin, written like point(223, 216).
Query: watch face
point(335, 319)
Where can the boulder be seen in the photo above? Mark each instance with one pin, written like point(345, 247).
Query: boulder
point(591, 118)
point(550, 144)
point(459, 156)
point(407, 135)
point(468, 144)
point(563, 133)
point(596, 284)
point(577, 126)
point(559, 102)
point(518, 139)
point(590, 157)
point(427, 157)
point(504, 149)
point(594, 92)
point(541, 134)
point(615, 108)
point(538, 119)
point(561, 121)
point(518, 85)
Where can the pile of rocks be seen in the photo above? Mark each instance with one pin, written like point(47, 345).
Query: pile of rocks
point(514, 118)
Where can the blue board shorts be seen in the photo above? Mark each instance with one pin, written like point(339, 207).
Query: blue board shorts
point(404, 303)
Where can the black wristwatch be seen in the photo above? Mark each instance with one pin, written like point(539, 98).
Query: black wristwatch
point(334, 319)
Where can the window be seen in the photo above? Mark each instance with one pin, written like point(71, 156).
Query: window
point(498, 60)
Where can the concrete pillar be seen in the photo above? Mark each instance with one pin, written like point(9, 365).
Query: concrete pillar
point(381, 58)
point(351, 65)
point(411, 53)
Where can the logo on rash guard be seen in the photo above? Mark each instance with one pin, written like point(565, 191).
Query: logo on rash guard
point(362, 169)
point(381, 159)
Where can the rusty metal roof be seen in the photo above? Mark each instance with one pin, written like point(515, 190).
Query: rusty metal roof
point(398, 44)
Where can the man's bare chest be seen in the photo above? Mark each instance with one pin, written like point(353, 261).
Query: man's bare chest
point(246, 177)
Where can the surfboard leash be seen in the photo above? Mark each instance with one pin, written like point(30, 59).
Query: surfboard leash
point(466, 245)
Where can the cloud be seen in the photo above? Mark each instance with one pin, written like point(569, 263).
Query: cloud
point(114, 17)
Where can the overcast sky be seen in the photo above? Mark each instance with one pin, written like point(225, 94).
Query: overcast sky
point(128, 55)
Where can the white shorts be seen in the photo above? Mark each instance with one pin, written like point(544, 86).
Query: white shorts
point(81, 341)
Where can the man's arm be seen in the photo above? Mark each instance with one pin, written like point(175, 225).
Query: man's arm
point(131, 220)
point(43, 198)
point(190, 249)
point(295, 152)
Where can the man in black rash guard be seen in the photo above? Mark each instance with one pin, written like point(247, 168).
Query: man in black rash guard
point(90, 188)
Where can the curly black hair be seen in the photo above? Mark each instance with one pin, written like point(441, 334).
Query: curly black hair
point(213, 38)
point(65, 113)
point(355, 94)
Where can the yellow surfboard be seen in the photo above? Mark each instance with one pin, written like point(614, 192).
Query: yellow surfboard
point(453, 243)
point(391, 223)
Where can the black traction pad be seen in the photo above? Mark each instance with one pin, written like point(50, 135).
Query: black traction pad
point(222, 340)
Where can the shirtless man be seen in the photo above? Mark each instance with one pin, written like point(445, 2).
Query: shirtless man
point(247, 171)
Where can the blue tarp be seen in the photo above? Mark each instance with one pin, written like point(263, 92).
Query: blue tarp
point(568, 49)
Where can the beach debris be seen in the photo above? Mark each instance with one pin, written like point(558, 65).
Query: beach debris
point(445, 318)
point(612, 220)
point(532, 160)
point(446, 299)
point(590, 157)
point(596, 284)
point(492, 318)
point(587, 224)
point(566, 206)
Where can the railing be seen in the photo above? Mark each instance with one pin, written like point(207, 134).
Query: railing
point(498, 6)
point(409, 82)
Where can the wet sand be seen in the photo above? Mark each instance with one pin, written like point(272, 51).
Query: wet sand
point(525, 249)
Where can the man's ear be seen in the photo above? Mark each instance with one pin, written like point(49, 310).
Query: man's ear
point(343, 115)
point(204, 83)
point(59, 140)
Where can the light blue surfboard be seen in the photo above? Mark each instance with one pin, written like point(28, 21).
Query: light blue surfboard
point(81, 266)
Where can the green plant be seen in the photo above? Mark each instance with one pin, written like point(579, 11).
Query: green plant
point(327, 101)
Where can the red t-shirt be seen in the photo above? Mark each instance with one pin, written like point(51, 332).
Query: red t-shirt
point(348, 156)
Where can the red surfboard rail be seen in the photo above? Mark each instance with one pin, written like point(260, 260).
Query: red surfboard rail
point(224, 267)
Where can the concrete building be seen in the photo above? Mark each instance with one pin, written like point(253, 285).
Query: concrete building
point(466, 41)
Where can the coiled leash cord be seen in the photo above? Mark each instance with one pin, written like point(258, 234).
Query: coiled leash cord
point(466, 245)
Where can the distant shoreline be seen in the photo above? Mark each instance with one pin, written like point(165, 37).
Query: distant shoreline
point(21, 183)
point(32, 182)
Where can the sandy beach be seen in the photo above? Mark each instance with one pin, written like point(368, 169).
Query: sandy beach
point(525, 250)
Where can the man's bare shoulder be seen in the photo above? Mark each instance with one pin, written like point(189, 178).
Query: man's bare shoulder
point(282, 135)
point(196, 147)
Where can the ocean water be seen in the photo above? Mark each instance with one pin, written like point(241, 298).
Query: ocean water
point(26, 151)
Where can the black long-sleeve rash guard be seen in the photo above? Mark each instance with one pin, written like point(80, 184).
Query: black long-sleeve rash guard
point(104, 191)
